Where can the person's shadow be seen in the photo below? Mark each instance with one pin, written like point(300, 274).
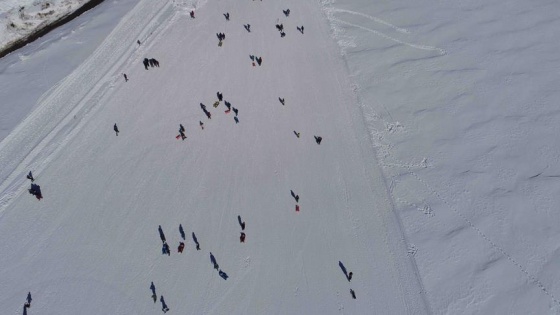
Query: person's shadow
point(213, 261)
point(182, 231)
point(195, 241)
point(343, 269)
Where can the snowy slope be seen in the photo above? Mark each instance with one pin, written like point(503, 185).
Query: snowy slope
point(91, 245)
point(20, 18)
point(461, 99)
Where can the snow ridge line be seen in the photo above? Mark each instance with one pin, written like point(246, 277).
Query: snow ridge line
point(34, 142)
point(373, 18)
point(396, 238)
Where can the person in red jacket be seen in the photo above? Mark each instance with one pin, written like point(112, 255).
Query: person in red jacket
point(181, 247)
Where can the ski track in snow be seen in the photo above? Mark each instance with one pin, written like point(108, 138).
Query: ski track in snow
point(71, 99)
point(70, 105)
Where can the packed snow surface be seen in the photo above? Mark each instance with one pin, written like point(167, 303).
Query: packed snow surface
point(435, 182)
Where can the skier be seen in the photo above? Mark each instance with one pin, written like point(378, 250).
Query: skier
point(350, 274)
point(181, 128)
point(228, 105)
point(236, 119)
point(116, 129)
point(181, 247)
point(183, 137)
point(286, 12)
point(247, 27)
point(202, 106)
point(227, 16)
point(192, 14)
point(318, 139)
point(353, 294)
point(297, 208)
point(138, 42)
point(201, 124)
point(153, 288)
point(281, 100)
point(146, 62)
point(220, 96)
point(208, 114)
point(164, 307)
point(181, 231)
point(297, 133)
point(252, 57)
point(30, 176)
point(242, 237)
point(214, 262)
point(125, 77)
point(282, 34)
point(259, 60)
point(235, 110)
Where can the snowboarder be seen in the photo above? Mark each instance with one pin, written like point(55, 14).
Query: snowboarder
point(226, 16)
point(236, 119)
point(116, 129)
point(281, 100)
point(164, 307)
point(181, 247)
point(30, 177)
point(318, 139)
point(192, 14)
point(146, 62)
point(125, 77)
point(353, 294)
point(350, 274)
point(242, 237)
point(220, 96)
point(297, 133)
point(236, 111)
point(201, 124)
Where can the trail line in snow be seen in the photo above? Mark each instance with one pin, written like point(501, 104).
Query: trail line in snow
point(38, 138)
point(373, 18)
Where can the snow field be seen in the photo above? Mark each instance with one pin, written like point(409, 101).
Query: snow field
point(94, 234)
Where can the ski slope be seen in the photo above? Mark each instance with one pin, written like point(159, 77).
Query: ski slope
point(91, 245)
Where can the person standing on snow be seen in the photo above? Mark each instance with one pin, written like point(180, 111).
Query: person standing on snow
point(116, 129)
point(125, 77)
point(30, 176)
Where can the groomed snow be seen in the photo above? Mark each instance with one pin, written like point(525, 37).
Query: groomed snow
point(435, 182)
point(91, 245)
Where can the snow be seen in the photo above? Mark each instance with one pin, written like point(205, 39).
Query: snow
point(434, 184)
point(20, 18)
